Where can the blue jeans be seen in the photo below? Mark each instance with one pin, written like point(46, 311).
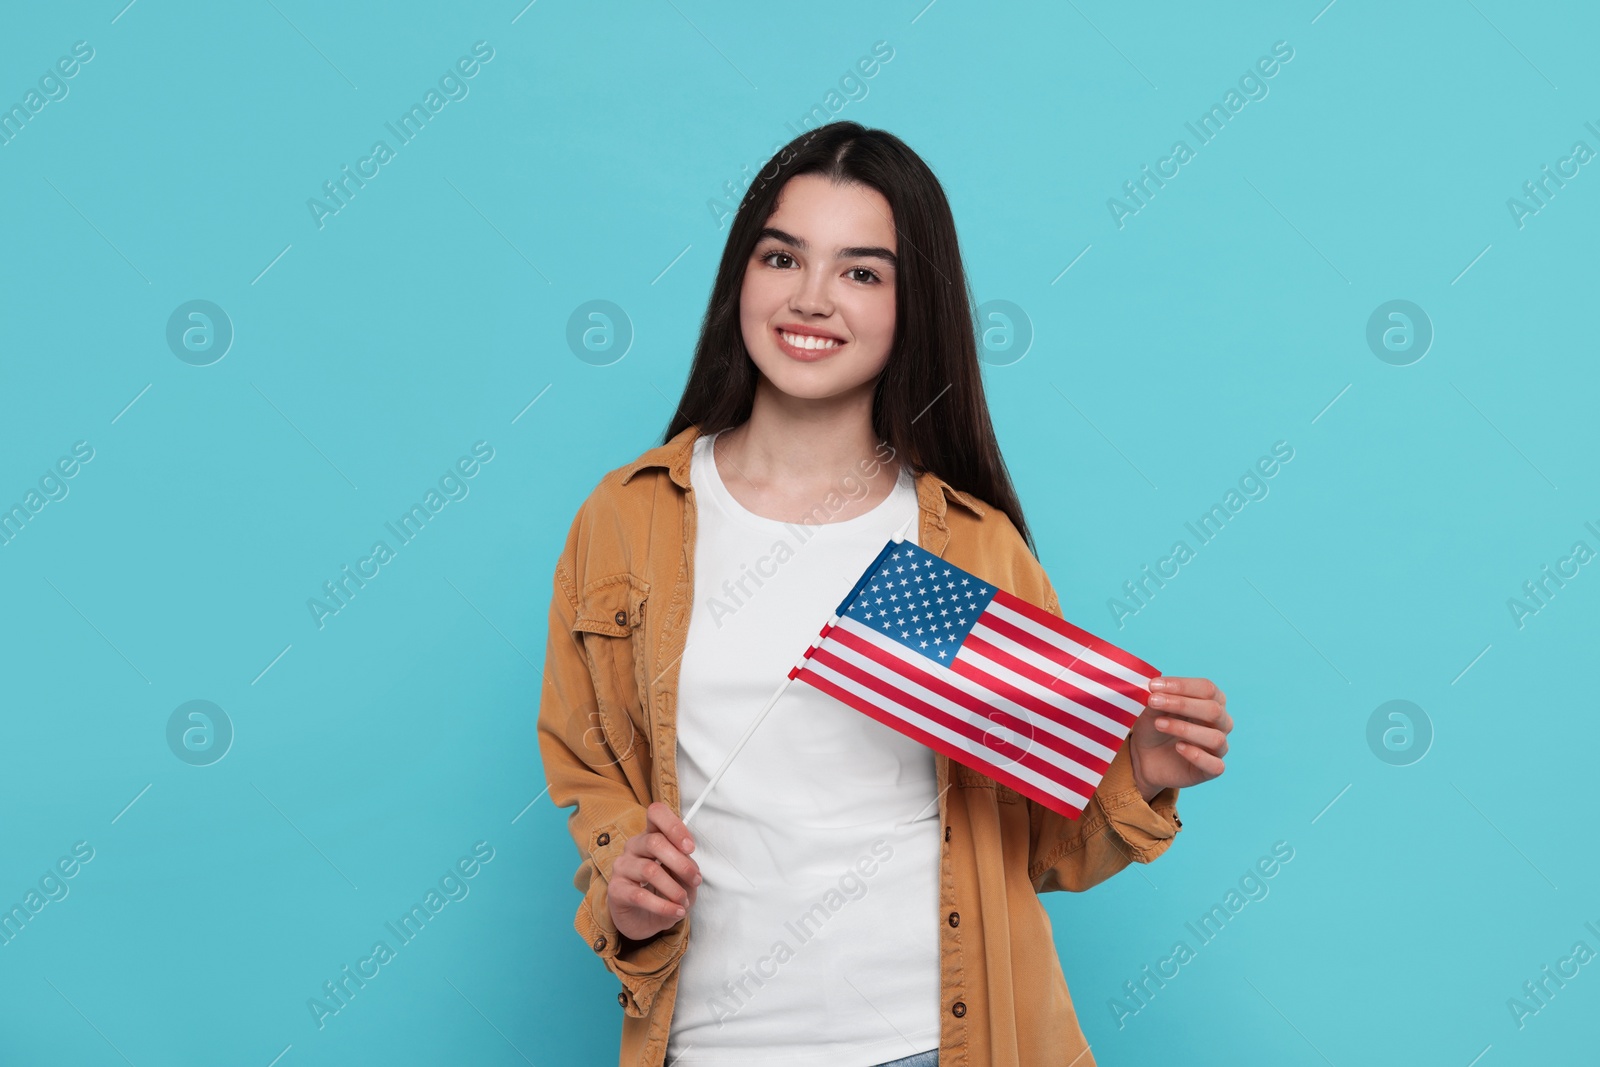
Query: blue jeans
point(929, 1058)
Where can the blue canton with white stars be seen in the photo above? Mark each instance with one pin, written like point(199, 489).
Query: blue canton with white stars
point(919, 600)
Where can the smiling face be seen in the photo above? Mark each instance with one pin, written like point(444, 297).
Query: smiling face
point(817, 305)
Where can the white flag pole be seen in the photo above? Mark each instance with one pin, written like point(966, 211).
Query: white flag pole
point(833, 620)
point(748, 730)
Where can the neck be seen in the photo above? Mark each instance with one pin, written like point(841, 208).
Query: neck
point(798, 442)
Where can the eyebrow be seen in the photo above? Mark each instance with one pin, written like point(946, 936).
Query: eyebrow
point(853, 252)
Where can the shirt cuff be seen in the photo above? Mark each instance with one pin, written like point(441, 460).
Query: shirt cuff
point(1146, 828)
point(643, 967)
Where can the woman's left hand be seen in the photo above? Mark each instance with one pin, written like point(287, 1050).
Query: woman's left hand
point(1181, 736)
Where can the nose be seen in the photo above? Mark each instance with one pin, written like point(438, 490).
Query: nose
point(812, 295)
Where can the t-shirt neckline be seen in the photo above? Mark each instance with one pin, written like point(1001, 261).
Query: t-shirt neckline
point(726, 500)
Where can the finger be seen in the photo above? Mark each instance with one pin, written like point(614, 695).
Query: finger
point(1203, 736)
point(1189, 687)
point(656, 846)
point(631, 894)
point(663, 818)
point(659, 879)
point(637, 869)
point(1200, 758)
point(1193, 707)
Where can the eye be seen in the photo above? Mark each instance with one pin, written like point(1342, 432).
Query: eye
point(871, 275)
point(776, 252)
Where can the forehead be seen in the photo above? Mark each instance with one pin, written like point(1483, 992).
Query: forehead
point(829, 215)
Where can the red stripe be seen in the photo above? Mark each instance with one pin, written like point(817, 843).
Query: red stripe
point(1061, 805)
point(972, 672)
point(1062, 685)
point(1082, 637)
point(893, 693)
point(795, 670)
point(1056, 713)
point(930, 679)
point(1040, 647)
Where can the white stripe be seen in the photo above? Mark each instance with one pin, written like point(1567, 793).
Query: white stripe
point(1052, 697)
point(984, 696)
point(1068, 712)
point(978, 753)
point(1053, 670)
point(1088, 655)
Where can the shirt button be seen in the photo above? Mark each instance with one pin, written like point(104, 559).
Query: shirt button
point(622, 998)
point(955, 918)
point(958, 1009)
point(622, 618)
point(600, 943)
point(603, 839)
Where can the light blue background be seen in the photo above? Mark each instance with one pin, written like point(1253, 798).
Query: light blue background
point(1228, 314)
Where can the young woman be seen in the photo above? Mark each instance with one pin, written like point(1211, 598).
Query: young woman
point(856, 899)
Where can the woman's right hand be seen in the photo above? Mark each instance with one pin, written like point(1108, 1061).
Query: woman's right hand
point(656, 856)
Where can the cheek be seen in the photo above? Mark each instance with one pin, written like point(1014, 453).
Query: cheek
point(872, 319)
point(760, 292)
point(752, 325)
point(758, 303)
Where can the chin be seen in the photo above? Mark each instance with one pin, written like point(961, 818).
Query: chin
point(813, 382)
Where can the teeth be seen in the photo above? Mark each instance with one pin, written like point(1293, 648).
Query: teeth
point(801, 341)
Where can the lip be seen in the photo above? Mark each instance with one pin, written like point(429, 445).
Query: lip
point(807, 355)
point(809, 331)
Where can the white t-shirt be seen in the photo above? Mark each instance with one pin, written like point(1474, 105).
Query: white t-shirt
point(815, 934)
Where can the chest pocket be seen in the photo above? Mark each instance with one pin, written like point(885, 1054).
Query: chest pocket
point(610, 626)
point(964, 777)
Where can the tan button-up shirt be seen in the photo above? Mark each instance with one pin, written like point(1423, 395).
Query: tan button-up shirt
point(619, 617)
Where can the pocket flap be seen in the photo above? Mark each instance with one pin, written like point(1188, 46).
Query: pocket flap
point(610, 605)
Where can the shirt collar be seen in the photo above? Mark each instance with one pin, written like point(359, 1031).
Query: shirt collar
point(677, 453)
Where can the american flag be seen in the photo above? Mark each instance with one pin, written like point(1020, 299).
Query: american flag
point(990, 680)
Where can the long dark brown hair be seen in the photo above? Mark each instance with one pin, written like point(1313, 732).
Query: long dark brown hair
point(928, 403)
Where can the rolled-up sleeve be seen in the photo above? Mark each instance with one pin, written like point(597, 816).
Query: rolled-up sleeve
point(582, 768)
point(1115, 828)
